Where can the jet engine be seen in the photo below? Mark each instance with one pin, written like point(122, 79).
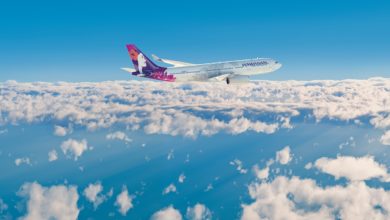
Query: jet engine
point(237, 79)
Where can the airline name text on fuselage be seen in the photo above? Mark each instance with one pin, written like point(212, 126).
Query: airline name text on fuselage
point(259, 63)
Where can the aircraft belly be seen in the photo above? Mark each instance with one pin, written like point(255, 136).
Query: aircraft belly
point(200, 76)
point(183, 77)
point(207, 73)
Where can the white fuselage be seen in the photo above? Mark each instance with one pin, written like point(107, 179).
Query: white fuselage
point(204, 72)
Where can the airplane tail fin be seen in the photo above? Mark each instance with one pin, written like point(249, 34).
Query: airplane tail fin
point(141, 62)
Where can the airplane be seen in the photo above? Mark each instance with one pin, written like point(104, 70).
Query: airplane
point(237, 71)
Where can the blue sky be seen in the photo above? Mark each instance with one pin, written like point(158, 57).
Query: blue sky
point(85, 41)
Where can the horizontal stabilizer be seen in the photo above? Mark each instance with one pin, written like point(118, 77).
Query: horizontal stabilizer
point(171, 62)
point(130, 70)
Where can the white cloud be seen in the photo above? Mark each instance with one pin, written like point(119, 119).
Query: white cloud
point(62, 131)
point(381, 121)
point(74, 148)
point(169, 189)
point(198, 212)
point(209, 187)
point(261, 173)
point(110, 193)
point(385, 139)
point(3, 131)
point(23, 160)
point(118, 135)
point(308, 166)
point(124, 201)
point(3, 206)
point(93, 193)
point(239, 166)
point(284, 156)
point(171, 155)
point(296, 198)
point(52, 155)
point(59, 131)
point(55, 202)
point(286, 122)
point(349, 143)
point(181, 178)
point(168, 213)
point(353, 168)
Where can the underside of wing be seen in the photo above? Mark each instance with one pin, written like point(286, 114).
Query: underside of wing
point(219, 78)
point(230, 78)
point(171, 62)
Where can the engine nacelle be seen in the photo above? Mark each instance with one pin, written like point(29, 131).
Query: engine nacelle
point(237, 79)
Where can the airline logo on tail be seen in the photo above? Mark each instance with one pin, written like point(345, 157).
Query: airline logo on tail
point(137, 58)
point(141, 62)
point(145, 67)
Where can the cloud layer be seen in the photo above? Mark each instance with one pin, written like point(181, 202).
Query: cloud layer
point(195, 108)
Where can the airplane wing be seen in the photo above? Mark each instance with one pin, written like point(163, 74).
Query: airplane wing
point(230, 78)
point(219, 78)
point(172, 62)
